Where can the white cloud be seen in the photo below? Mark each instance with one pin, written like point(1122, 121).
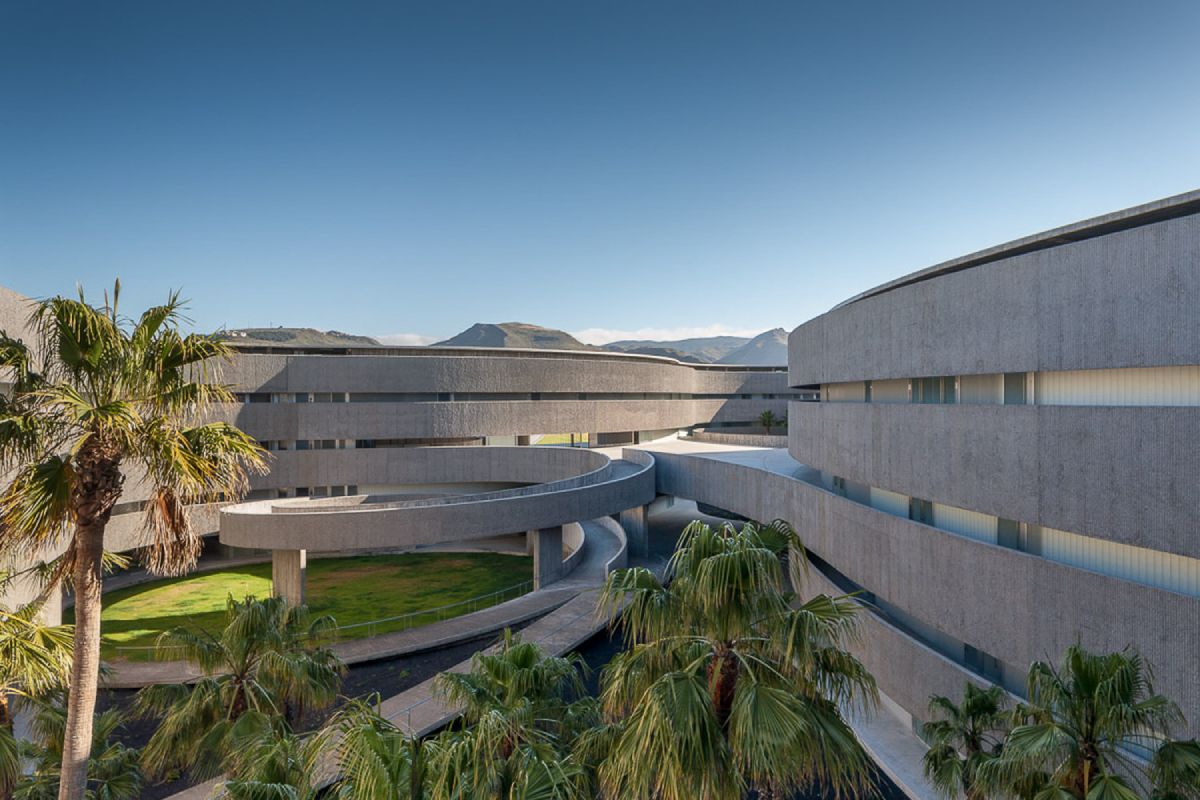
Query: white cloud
point(407, 339)
point(606, 335)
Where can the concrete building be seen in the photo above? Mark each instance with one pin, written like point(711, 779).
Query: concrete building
point(1003, 459)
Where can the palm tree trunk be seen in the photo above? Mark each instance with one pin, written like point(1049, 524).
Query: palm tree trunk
point(85, 666)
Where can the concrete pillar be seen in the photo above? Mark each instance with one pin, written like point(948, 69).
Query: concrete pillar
point(547, 555)
point(287, 574)
point(637, 534)
point(523, 441)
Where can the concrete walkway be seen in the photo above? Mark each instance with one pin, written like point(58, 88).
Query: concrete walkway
point(575, 620)
point(600, 546)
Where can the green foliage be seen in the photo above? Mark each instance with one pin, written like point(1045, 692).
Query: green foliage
point(730, 683)
point(965, 736)
point(95, 396)
point(97, 385)
point(1076, 736)
point(269, 662)
point(35, 659)
point(768, 420)
point(113, 771)
point(522, 714)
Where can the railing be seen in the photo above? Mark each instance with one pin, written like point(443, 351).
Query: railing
point(359, 630)
point(407, 713)
point(405, 621)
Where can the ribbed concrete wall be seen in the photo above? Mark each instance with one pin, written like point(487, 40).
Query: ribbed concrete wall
point(385, 525)
point(436, 420)
point(1014, 606)
point(1124, 474)
point(1126, 299)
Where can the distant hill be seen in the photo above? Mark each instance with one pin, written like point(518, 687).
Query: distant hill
point(703, 350)
point(514, 334)
point(662, 352)
point(295, 337)
point(768, 349)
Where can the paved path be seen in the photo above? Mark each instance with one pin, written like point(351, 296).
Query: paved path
point(600, 544)
point(420, 710)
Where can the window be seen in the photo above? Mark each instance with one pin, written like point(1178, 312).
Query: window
point(866, 391)
point(1008, 533)
point(1014, 389)
point(935, 390)
point(920, 510)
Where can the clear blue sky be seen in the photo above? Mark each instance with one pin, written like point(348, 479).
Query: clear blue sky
point(389, 168)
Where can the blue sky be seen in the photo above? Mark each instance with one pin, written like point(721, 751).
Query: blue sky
point(603, 167)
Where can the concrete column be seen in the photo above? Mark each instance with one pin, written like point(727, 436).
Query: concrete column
point(287, 574)
point(547, 555)
point(637, 533)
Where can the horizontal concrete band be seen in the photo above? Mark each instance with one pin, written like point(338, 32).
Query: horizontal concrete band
point(1125, 299)
point(422, 420)
point(1124, 474)
point(1012, 605)
point(368, 527)
point(894, 658)
point(545, 467)
point(491, 371)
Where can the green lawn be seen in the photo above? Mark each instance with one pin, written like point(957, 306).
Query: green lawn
point(562, 438)
point(352, 590)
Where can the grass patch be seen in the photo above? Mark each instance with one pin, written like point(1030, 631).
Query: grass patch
point(561, 438)
point(352, 590)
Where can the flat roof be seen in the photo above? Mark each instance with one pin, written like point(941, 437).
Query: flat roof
point(1180, 205)
point(488, 352)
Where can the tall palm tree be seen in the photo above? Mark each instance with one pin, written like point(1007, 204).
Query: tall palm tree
point(269, 661)
point(34, 660)
point(97, 395)
point(113, 772)
point(730, 684)
point(522, 713)
point(1083, 721)
point(967, 734)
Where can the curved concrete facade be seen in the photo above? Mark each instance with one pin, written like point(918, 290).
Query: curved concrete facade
point(1005, 454)
point(1005, 458)
point(589, 488)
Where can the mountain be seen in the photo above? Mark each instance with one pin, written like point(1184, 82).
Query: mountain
point(703, 350)
point(662, 352)
point(768, 349)
point(295, 337)
point(514, 334)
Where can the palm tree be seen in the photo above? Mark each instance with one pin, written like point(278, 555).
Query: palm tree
point(267, 761)
point(371, 758)
point(728, 683)
point(268, 661)
point(966, 735)
point(113, 772)
point(1083, 721)
point(34, 660)
point(96, 395)
point(522, 713)
point(768, 420)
